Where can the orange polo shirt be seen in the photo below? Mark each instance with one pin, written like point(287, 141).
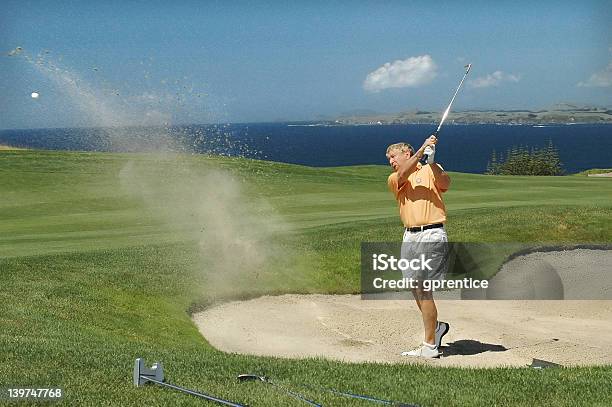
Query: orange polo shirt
point(420, 200)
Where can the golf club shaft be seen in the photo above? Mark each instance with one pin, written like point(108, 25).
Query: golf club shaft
point(194, 393)
point(423, 159)
point(360, 396)
point(245, 377)
point(296, 395)
point(469, 66)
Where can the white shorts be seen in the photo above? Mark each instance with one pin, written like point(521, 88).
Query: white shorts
point(432, 244)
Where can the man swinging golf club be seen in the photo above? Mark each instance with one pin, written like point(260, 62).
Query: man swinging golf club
point(418, 190)
point(418, 187)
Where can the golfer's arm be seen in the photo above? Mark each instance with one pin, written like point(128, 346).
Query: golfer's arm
point(441, 178)
point(408, 166)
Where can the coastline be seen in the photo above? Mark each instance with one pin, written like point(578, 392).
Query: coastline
point(501, 117)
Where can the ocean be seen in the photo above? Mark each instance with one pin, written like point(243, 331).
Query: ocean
point(463, 148)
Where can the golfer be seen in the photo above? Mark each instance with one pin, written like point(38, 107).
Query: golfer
point(418, 190)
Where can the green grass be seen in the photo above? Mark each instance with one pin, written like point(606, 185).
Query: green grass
point(99, 268)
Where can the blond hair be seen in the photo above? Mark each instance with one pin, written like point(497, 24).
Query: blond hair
point(403, 147)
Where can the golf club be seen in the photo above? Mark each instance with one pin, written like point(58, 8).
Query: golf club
point(244, 377)
point(250, 377)
point(155, 375)
point(435, 133)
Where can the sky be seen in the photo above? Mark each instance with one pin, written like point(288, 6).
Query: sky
point(147, 62)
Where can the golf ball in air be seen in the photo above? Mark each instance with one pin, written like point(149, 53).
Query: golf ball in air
point(35, 95)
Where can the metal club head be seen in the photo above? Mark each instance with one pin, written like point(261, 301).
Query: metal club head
point(141, 373)
point(251, 377)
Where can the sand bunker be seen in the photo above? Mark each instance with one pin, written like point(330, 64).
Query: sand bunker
point(4, 147)
point(484, 333)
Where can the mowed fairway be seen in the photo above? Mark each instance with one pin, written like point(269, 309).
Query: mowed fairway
point(103, 257)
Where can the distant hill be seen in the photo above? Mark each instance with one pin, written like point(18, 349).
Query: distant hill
point(562, 113)
point(360, 112)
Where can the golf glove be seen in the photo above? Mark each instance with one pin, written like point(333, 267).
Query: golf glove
point(430, 152)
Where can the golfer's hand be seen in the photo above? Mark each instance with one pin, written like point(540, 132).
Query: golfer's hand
point(430, 141)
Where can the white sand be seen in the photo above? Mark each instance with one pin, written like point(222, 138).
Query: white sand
point(483, 333)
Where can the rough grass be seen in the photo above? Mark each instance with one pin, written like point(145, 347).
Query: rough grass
point(92, 278)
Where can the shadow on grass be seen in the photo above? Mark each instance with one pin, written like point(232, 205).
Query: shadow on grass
point(470, 347)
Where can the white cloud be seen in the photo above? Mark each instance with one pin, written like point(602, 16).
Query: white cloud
point(600, 79)
point(411, 72)
point(493, 79)
point(147, 97)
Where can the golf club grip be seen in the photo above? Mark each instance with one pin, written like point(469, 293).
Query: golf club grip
point(423, 159)
point(195, 393)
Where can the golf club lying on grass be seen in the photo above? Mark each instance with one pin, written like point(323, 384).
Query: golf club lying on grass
point(251, 377)
point(435, 133)
point(155, 375)
point(245, 377)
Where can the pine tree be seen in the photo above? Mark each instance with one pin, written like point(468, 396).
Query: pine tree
point(552, 157)
point(523, 160)
point(492, 166)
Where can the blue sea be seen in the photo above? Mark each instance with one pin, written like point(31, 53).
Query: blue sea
point(464, 148)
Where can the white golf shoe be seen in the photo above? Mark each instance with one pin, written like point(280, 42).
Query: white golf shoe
point(424, 351)
point(441, 330)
